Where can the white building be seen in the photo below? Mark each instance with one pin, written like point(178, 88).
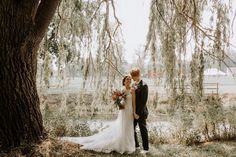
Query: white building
point(214, 72)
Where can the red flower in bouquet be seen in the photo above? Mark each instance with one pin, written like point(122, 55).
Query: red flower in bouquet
point(119, 98)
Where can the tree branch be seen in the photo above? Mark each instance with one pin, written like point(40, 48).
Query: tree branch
point(197, 25)
point(43, 17)
point(95, 13)
point(232, 24)
point(115, 16)
point(162, 16)
point(113, 66)
point(219, 59)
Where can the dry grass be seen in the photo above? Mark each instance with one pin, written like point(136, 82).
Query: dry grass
point(56, 148)
point(58, 112)
point(62, 115)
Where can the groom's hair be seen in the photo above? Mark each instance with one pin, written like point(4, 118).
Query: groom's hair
point(135, 72)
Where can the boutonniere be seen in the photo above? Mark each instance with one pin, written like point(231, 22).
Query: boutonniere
point(134, 86)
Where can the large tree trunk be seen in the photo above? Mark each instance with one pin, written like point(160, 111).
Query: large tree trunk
point(22, 26)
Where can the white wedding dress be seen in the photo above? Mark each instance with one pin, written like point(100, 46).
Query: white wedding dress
point(118, 136)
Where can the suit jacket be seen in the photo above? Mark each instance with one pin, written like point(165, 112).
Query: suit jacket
point(141, 94)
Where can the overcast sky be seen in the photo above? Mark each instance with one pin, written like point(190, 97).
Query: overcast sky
point(134, 16)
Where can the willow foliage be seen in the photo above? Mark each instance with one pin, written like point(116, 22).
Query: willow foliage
point(177, 27)
point(83, 38)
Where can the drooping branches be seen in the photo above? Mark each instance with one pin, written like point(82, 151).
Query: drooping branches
point(85, 38)
point(177, 24)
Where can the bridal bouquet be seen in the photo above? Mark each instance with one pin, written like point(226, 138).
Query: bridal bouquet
point(119, 98)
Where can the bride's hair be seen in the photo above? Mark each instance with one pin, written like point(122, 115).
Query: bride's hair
point(123, 81)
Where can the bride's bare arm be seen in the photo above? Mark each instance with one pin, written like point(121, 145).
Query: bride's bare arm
point(133, 101)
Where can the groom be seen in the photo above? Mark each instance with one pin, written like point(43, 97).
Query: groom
point(141, 94)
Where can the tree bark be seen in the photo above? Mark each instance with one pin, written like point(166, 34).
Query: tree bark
point(23, 24)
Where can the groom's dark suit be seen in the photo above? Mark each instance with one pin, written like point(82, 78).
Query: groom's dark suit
point(141, 94)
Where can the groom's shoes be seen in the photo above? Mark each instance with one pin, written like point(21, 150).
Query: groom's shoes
point(137, 148)
point(144, 151)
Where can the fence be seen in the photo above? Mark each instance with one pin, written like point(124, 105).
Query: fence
point(208, 88)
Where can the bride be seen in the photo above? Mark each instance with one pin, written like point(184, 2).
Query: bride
point(119, 135)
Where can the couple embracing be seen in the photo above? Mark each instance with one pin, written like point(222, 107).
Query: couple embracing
point(120, 135)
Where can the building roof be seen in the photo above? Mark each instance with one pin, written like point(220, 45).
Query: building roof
point(214, 72)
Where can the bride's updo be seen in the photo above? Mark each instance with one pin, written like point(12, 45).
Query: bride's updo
point(123, 81)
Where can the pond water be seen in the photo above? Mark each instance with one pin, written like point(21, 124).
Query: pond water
point(166, 127)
